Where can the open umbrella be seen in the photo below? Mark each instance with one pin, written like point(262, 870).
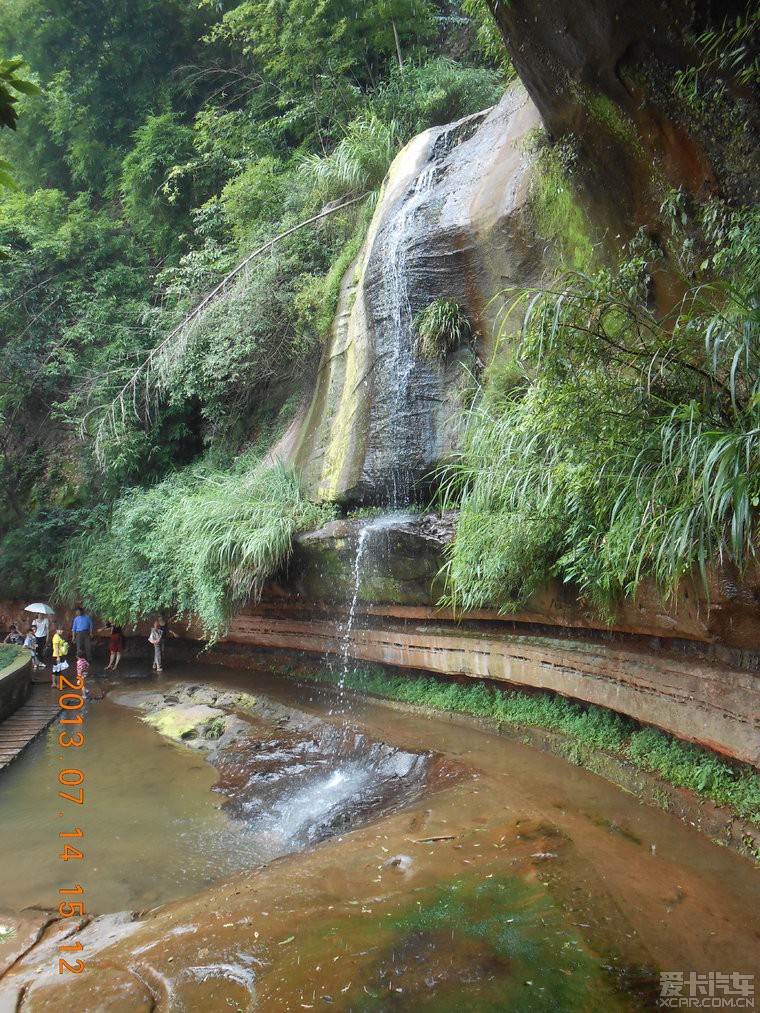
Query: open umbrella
point(40, 607)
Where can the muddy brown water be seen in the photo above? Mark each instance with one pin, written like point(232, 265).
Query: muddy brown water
point(525, 884)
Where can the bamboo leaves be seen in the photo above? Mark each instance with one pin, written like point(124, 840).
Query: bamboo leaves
point(633, 451)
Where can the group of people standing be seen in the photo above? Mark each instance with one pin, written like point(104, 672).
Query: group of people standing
point(34, 640)
point(82, 630)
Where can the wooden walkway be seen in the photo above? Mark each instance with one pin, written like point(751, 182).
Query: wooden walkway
point(22, 727)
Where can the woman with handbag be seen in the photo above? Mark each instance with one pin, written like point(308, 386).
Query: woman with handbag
point(156, 638)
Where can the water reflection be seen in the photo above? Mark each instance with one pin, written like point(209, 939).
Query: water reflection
point(153, 829)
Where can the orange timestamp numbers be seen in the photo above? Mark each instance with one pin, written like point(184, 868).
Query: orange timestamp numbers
point(71, 790)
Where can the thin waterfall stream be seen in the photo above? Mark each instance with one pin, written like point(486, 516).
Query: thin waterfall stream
point(364, 547)
point(402, 360)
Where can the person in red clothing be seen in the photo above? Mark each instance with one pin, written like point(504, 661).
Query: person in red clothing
point(83, 667)
point(116, 645)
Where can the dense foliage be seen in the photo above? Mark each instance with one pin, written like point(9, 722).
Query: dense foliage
point(201, 542)
point(176, 149)
point(169, 141)
point(13, 84)
point(632, 445)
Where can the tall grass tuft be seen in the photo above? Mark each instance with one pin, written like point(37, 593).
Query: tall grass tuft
point(358, 163)
point(440, 328)
point(202, 543)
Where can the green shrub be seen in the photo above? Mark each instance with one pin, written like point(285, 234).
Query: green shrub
point(632, 450)
point(202, 543)
point(10, 653)
point(358, 164)
point(440, 328)
point(439, 91)
point(214, 728)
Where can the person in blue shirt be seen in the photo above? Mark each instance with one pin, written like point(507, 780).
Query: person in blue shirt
point(81, 631)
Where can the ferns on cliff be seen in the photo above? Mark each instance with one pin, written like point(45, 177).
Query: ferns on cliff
point(633, 449)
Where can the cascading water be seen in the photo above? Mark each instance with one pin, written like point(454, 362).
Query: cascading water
point(363, 542)
point(401, 361)
point(298, 790)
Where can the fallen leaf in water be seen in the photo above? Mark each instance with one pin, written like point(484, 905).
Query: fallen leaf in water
point(288, 940)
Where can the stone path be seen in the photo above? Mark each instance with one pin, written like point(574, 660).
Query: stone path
point(22, 727)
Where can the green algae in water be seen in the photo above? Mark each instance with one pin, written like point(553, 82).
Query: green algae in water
point(489, 945)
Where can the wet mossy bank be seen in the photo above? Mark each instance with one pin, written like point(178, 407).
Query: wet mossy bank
point(15, 679)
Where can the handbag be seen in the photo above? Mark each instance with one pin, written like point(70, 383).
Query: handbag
point(64, 649)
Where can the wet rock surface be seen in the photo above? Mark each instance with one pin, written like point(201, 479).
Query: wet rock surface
point(400, 559)
point(451, 223)
point(603, 72)
point(290, 778)
point(530, 885)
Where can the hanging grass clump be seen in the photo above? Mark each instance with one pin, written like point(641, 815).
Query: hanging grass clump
point(440, 328)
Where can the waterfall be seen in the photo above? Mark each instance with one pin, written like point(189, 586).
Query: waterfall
point(401, 362)
point(363, 541)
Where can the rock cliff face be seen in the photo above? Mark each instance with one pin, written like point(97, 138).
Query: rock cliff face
point(451, 222)
point(636, 85)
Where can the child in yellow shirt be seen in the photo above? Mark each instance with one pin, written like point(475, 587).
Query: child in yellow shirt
point(60, 650)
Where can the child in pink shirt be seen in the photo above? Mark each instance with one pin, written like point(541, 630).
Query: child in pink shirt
point(83, 667)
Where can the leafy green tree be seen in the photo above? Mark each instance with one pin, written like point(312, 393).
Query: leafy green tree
point(315, 61)
point(12, 84)
point(71, 291)
point(156, 210)
point(102, 66)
